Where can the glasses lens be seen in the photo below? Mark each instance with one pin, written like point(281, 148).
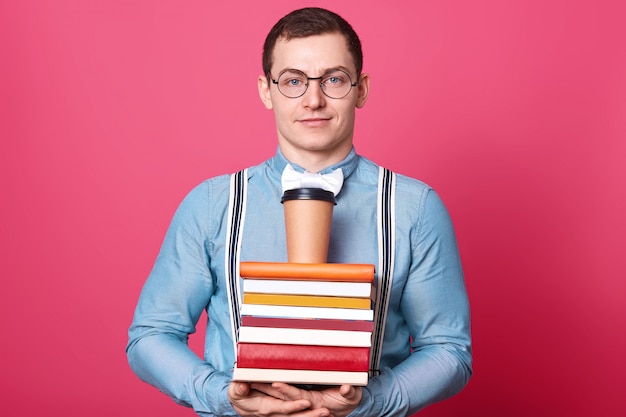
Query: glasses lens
point(337, 84)
point(292, 83)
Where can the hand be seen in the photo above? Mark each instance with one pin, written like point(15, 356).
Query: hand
point(249, 402)
point(340, 401)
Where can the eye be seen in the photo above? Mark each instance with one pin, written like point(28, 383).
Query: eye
point(292, 79)
point(335, 80)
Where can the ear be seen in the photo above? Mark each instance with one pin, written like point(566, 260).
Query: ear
point(363, 90)
point(264, 92)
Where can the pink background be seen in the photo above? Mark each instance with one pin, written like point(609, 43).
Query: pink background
point(111, 111)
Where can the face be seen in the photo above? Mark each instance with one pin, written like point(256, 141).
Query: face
point(314, 129)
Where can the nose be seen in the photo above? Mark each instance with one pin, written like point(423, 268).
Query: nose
point(314, 96)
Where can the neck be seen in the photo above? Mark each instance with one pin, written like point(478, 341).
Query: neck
point(314, 161)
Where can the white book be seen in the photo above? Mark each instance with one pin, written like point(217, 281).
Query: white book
point(298, 312)
point(320, 337)
point(326, 288)
point(300, 376)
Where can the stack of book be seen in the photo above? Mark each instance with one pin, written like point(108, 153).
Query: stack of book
point(305, 323)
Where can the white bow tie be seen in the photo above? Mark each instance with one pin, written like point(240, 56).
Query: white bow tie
point(293, 179)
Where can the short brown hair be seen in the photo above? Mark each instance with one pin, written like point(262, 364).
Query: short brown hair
point(311, 21)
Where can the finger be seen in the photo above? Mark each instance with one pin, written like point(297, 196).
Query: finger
point(281, 391)
point(273, 406)
point(258, 403)
point(298, 406)
point(289, 391)
point(260, 386)
point(314, 412)
point(266, 389)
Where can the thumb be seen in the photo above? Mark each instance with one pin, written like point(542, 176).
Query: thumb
point(347, 391)
point(241, 388)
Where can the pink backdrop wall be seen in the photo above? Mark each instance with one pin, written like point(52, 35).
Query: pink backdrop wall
point(111, 111)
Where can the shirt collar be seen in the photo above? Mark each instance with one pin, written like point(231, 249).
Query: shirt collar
point(347, 165)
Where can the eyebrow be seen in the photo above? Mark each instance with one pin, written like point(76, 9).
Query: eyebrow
point(326, 71)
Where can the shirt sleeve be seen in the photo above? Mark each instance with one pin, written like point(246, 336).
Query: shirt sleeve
point(435, 306)
point(174, 296)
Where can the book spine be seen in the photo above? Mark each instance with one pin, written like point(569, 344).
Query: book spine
point(311, 357)
point(299, 376)
point(326, 324)
point(304, 336)
point(297, 271)
point(307, 312)
point(306, 300)
point(309, 287)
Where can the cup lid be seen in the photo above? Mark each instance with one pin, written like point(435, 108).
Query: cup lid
point(308, 194)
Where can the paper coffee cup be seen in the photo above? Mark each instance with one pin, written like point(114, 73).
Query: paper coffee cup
point(308, 218)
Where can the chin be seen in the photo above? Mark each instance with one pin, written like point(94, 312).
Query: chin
point(319, 144)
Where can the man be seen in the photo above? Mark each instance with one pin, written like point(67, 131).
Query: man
point(312, 81)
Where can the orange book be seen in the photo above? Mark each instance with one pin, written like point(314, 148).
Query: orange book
point(301, 271)
point(306, 300)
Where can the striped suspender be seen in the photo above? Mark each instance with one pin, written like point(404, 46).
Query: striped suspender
point(386, 255)
point(386, 251)
point(236, 216)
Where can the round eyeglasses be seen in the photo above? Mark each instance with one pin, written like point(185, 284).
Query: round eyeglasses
point(293, 83)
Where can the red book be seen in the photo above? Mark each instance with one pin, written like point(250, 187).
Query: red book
point(303, 357)
point(291, 323)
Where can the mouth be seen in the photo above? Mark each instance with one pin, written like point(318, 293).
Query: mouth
point(314, 121)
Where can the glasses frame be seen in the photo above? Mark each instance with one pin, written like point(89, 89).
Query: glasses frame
point(306, 88)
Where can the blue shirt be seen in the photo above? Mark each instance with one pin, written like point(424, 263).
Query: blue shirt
point(426, 354)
